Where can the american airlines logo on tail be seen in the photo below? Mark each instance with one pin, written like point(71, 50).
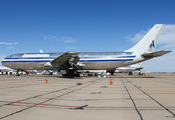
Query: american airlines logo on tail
point(151, 47)
point(152, 44)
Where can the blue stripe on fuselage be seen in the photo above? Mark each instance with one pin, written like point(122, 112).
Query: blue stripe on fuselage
point(79, 60)
point(28, 61)
point(105, 60)
point(82, 59)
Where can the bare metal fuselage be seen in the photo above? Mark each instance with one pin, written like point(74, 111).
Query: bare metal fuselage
point(39, 65)
point(92, 60)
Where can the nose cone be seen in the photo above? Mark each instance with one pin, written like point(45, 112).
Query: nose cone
point(4, 62)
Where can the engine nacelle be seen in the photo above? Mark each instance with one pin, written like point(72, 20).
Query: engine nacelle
point(111, 71)
point(47, 64)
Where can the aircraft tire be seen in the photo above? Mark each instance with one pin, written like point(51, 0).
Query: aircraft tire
point(77, 75)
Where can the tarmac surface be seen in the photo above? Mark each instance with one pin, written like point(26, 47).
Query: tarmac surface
point(28, 97)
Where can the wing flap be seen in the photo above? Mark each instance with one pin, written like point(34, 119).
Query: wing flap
point(62, 61)
point(155, 54)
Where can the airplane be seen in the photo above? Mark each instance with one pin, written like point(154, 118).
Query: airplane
point(73, 61)
point(4, 68)
point(125, 69)
point(130, 68)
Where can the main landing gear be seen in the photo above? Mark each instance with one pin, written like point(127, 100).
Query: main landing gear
point(71, 73)
point(130, 73)
point(17, 73)
point(112, 73)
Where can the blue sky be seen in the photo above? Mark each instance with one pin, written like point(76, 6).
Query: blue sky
point(85, 26)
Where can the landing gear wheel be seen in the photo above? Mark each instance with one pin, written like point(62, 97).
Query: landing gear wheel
point(77, 75)
point(130, 73)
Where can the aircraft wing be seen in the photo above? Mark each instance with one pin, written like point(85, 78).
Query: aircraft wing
point(65, 60)
point(155, 54)
point(139, 68)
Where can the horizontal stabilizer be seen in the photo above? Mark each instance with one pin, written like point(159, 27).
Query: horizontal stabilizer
point(155, 54)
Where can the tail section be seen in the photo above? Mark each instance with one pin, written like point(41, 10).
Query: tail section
point(40, 51)
point(149, 41)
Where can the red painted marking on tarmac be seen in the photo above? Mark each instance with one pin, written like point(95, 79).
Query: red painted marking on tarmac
point(85, 107)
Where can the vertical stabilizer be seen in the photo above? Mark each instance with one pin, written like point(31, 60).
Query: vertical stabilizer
point(149, 41)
